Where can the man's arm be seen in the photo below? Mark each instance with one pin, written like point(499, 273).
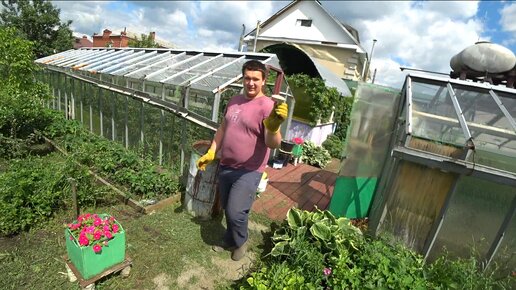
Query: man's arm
point(272, 140)
point(219, 135)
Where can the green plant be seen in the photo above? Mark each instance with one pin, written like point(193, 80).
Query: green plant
point(315, 155)
point(39, 22)
point(21, 99)
point(334, 145)
point(313, 93)
point(34, 188)
point(112, 161)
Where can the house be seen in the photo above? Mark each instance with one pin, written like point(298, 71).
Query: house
point(108, 39)
point(81, 41)
point(307, 39)
point(304, 32)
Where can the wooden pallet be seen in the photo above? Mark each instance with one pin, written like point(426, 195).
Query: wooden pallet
point(124, 266)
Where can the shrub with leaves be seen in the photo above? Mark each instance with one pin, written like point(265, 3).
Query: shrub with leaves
point(315, 155)
point(334, 145)
point(315, 250)
point(113, 161)
point(33, 188)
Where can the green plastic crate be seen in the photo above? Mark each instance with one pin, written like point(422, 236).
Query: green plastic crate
point(89, 263)
point(297, 150)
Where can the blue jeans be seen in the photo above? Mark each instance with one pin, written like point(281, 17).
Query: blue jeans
point(237, 188)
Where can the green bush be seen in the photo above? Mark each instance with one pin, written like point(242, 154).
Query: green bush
point(334, 145)
point(315, 250)
point(34, 188)
point(113, 161)
point(315, 155)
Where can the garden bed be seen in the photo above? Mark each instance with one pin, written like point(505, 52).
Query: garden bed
point(121, 194)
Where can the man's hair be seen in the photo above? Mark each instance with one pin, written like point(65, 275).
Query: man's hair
point(254, 65)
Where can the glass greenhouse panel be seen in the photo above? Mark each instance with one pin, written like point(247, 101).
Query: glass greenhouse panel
point(134, 122)
point(189, 61)
point(505, 257)
point(83, 60)
point(368, 139)
point(141, 64)
point(103, 59)
point(220, 77)
point(75, 59)
point(152, 131)
point(488, 125)
point(509, 101)
point(95, 101)
point(433, 114)
point(171, 140)
point(116, 60)
point(106, 104)
point(130, 61)
point(119, 102)
point(86, 105)
point(473, 218)
point(201, 102)
point(503, 160)
point(151, 68)
point(414, 201)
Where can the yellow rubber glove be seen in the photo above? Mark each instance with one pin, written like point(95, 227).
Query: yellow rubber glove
point(277, 116)
point(205, 160)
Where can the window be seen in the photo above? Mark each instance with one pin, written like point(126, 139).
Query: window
point(304, 22)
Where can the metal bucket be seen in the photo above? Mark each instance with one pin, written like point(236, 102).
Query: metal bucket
point(201, 185)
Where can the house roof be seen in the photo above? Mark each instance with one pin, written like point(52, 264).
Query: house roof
point(137, 34)
point(292, 4)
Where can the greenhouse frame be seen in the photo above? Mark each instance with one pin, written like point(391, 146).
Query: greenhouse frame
point(157, 100)
point(448, 179)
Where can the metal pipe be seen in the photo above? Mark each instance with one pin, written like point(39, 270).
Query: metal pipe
point(256, 35)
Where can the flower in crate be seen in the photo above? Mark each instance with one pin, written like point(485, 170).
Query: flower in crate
point(298, 140)
point(93, 230)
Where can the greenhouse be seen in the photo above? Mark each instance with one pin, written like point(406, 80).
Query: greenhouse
point(445, 165)
point(156, 100)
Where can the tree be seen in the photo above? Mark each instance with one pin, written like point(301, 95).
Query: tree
point(143, 41)
point(38, 21)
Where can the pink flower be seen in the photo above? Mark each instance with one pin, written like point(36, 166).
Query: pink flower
point(327, 271)
point(298, 140)
point(115, 228)
point(97, 248)
point(83, 240)
point(108, 234)
point(97, 222)
point(97, 235)
point(106, 228)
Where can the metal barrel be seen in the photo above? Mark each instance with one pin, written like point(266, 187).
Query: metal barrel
point(201, 185)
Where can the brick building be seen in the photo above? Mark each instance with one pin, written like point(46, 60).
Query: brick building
point(82, 42)
point(108, 39)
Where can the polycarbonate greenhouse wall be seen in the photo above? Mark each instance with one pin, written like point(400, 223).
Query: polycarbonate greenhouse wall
point(449, 181)
point(156, 100)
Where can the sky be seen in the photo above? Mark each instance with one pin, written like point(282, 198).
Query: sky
point(416, 34)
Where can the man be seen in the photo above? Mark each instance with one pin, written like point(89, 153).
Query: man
point(243, 140)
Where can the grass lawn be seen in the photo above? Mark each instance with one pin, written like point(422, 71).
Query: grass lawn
point(170, 250)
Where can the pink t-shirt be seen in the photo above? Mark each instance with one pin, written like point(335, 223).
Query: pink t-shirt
point(243, 145)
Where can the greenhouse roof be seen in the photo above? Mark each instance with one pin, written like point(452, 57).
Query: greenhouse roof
point(478, 115)
point(206, 71)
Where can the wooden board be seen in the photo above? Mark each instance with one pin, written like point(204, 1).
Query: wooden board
point(118, 267)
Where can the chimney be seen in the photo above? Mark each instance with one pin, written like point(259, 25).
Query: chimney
point(152, 35)
point(85, 37)
point(106, 33)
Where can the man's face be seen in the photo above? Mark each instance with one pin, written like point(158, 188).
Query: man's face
point(253, 83)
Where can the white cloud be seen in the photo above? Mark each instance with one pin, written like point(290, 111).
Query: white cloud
point(422, 34)
point(508, 19)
